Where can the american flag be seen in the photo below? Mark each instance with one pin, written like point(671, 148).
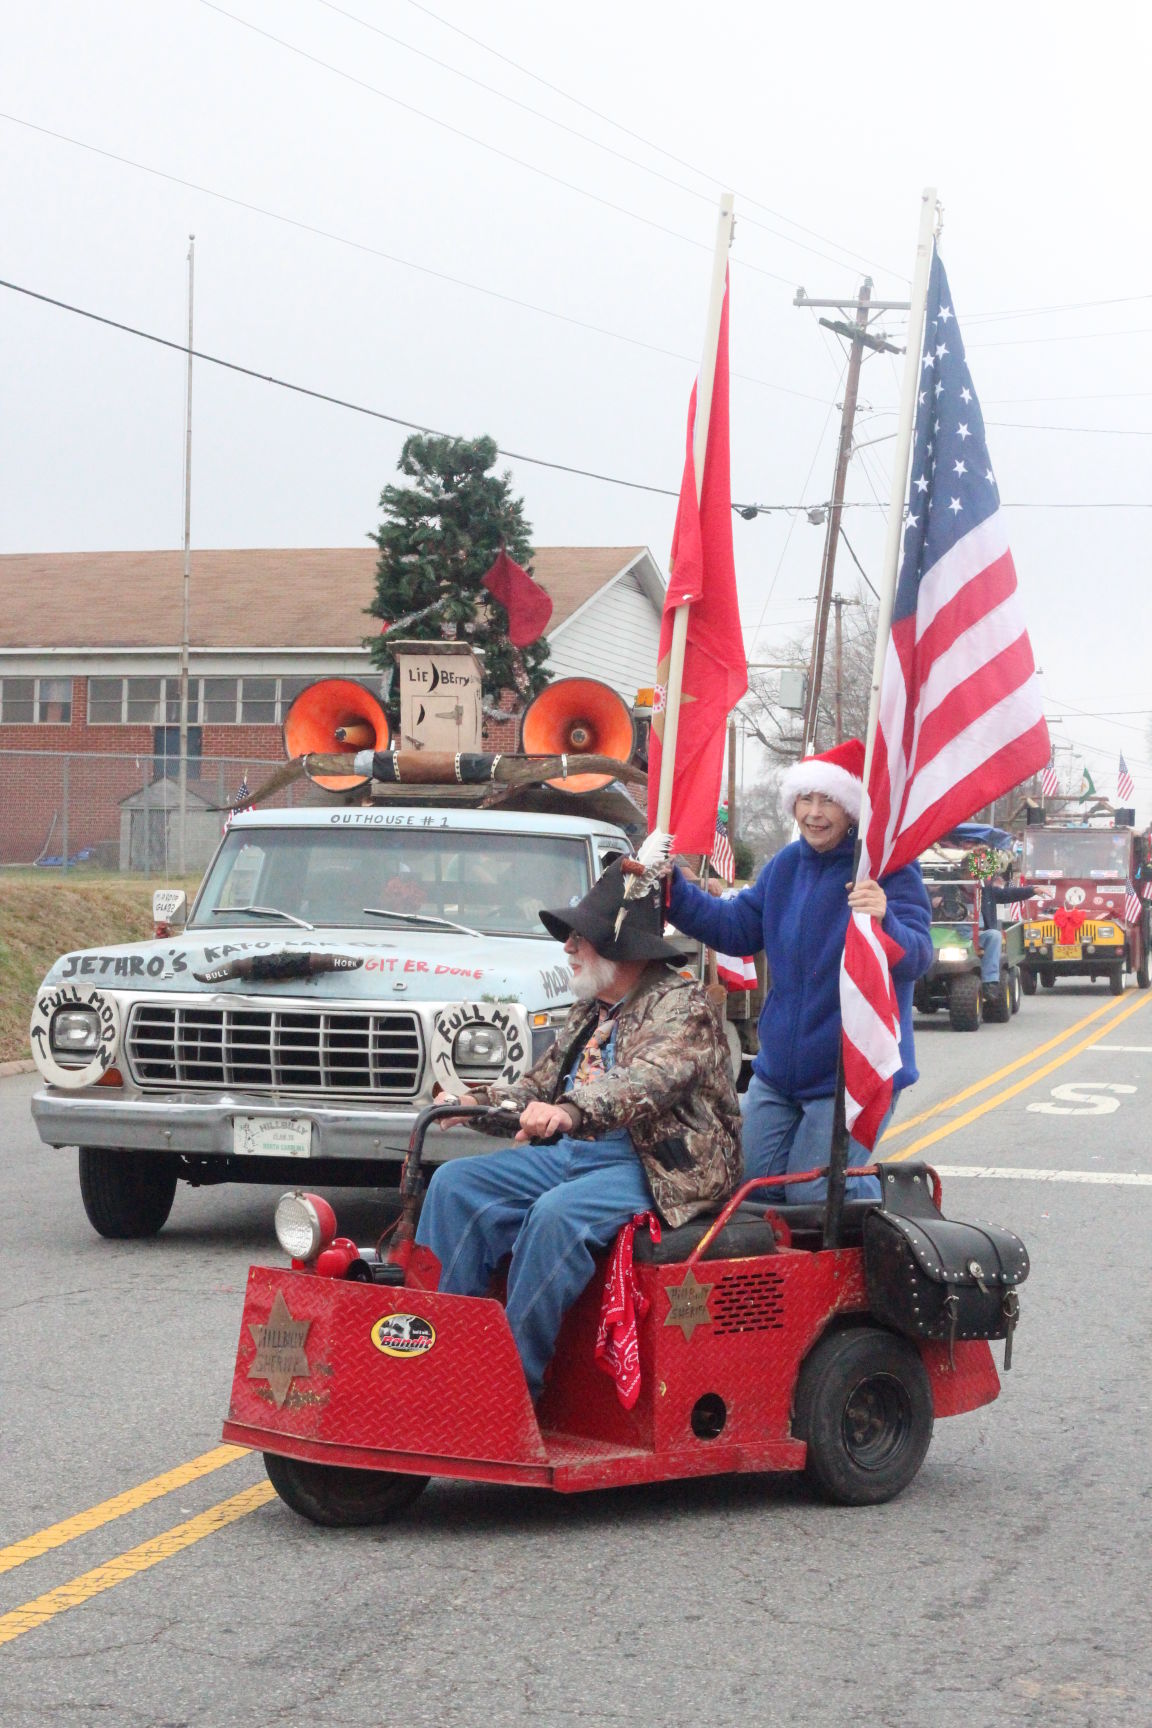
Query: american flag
point(243, 793)
point(722, 860)
point(1049, 781)
point(1131, 905)
point(960, 716)
point(1125, 785)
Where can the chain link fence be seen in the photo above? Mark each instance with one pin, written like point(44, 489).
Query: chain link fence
point(63, 810)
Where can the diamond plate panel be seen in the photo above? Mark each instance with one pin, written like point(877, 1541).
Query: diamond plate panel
point(465, 1396)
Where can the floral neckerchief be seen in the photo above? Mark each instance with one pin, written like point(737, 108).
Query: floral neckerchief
point(591, 1065)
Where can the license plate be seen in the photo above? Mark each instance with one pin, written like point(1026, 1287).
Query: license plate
point(272, 1136)
point(1066, 951)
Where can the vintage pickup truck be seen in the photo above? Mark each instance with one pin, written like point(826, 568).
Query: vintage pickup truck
point(335, 965)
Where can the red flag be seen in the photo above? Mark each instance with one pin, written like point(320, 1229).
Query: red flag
point(703, 571)
point(528, 606)
point(960, 719)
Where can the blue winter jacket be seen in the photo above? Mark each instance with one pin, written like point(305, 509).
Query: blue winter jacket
point(797, 911)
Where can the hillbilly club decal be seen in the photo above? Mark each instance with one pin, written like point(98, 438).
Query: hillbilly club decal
point(72, 997)
point(403, 1335)
point(451, 1021)
point(280, 1356)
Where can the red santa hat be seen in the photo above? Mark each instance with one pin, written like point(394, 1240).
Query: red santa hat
point(837, 773)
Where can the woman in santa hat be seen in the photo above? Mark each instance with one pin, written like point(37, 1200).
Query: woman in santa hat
point(797, 910)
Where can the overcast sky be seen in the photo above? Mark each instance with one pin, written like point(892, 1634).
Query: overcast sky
point(827, 122)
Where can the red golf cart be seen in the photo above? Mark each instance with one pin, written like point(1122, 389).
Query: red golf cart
point(823, 1338)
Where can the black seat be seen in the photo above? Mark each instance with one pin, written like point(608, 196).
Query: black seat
point(745, 1234)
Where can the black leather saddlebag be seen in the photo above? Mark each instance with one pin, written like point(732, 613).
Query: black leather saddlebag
point(931, 1277)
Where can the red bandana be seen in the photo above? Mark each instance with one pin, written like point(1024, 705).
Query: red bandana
point(617, 1344)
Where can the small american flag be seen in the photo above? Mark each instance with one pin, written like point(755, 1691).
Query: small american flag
point(243, 793)
point(960, 717)
point(1125, 785)
point(722, 860)
point(1131, 905)
point(1049, 783)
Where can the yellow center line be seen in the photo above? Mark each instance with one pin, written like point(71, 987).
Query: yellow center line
point(1001, 1073)
point(979, 1110)
point(136, 1560)
point(56, 1535)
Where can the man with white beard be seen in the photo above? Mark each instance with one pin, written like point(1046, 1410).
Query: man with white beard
point(638, 1086)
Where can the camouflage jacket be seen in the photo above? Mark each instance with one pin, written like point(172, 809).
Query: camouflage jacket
point(671, 1088)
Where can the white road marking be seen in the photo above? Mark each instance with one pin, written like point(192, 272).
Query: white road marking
point(1124, 1179)
point(1127, 1049)
point(1082, 1098)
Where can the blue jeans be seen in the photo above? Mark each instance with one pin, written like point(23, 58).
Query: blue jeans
point(551, 1208)
point(785, 1134)
point(991, 942)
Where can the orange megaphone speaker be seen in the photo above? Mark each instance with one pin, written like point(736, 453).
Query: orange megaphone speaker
point(578, 717)
point(335, 717)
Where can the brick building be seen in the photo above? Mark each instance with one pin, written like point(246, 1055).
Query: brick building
point(89, 676)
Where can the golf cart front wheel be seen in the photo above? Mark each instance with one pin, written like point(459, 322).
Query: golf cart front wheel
point(331, 1495)
point(864, 1407)
point(1028, 981)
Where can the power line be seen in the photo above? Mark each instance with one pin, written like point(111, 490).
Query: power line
point(392, 257)
point(1109, 431)
point(471, 138)
point(353, 407)
point(649, 144)
point(1026, 341)
point(1044, 311)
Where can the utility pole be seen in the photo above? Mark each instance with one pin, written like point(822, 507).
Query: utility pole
point(840, 601)
point(860, 337)
point(182, 766)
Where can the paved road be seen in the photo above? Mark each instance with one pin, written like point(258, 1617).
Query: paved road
point(1008, 1585)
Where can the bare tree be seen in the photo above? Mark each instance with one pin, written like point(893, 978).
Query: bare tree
point(778, 729)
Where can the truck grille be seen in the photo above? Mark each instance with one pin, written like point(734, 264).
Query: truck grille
point(277, 1049)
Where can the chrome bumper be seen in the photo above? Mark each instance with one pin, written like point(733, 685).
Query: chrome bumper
point(202, 1127)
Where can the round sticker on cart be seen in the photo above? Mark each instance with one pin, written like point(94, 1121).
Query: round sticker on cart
point(88, 1005)
point(403, 1335)
point(1075, 897)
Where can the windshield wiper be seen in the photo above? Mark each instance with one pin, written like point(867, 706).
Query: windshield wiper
point(419, 918)
point(261, 912)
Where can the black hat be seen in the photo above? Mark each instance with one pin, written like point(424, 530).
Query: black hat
point(641, 930)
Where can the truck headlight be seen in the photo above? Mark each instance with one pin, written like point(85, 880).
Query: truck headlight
point(1105, 933)
point(953, 954)
point(479, 1051)
point(74, 1032)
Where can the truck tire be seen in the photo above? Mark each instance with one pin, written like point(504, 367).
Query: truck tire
point(964, 1002)
point(1048, 978)
point(337, 1497)
point(1116, 980)
point(1014, 989)
point(864, 1406)
point(126, 1194)
point(1028, 980)
point(1143, 976)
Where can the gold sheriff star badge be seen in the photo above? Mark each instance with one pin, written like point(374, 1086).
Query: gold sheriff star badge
point(688, 1305)
point(280, 1356)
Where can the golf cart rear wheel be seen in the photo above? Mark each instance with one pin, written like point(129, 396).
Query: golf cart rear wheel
point(964, 1002)
point(331, 1495)
point(998, 1000)
point(864, 1407)
point(1014, 989)
point(1028, 981)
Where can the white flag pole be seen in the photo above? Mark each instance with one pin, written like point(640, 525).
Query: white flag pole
point(909, 389)
point(699, 451)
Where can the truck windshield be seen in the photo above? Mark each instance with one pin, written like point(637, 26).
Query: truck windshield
point(1097, 854)
point(494, 882)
